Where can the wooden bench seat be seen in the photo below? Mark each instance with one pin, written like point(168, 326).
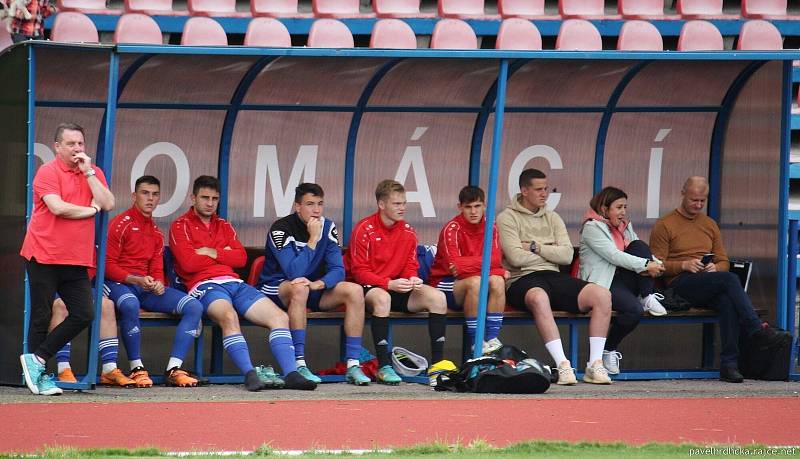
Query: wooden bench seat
point(705, 317)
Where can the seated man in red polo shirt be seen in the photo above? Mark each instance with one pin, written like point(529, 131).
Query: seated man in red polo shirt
point(206, 250)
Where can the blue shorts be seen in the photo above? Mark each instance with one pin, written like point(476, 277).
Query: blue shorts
point(240, 294)
point(171, 301)
point(446, 285)
point(271, 292)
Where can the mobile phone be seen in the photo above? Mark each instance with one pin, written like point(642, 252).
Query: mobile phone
point(707, 258)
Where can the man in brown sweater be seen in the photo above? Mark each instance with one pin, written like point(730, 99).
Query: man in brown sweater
point(681, 239)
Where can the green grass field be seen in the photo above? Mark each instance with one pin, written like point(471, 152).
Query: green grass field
point(479, 449)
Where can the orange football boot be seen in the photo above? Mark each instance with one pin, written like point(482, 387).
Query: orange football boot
point(67, 376)
point(141, 377)
point(115, 377)
point(179, 378)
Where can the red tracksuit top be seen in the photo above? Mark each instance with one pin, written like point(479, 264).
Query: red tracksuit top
point(188, 233)
point(461, 243)
point(378, 253)
point(134, 246)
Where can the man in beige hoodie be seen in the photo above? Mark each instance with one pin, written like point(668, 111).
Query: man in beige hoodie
point(535, 242)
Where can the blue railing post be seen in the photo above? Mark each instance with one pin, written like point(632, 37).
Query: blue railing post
point(104, 159)
point(491, 198)
point(31, 158)
point(791, 295)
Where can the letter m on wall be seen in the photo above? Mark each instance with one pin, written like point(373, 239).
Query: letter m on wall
point(304, 169)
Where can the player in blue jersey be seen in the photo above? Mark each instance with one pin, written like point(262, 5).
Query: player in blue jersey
point(303, 269)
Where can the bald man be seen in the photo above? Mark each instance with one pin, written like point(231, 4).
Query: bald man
point(681, 239)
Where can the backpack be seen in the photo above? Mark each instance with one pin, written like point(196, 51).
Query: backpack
point(498, 373)
point(766, 355)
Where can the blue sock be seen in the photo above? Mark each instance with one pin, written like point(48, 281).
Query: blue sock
point(109, 348)
point(494, 321)
point(280, 342)
point(299, 343)
point(62, 356)
point(128, 308)
point(236, 347)
point(472, 325)
point(352, 347)
point(189, 327)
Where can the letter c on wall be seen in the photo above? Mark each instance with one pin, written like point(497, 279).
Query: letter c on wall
point(534, 151)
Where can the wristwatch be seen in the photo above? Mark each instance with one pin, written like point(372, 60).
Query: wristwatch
point(533, 246)
point(90, 173)
point(96, 208)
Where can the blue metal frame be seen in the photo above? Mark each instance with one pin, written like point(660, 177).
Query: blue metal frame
point(480, 125)
point(605, 122)
point(223, 166)
point(29, 183)
point(491, 199)
point(350, 152)
point(424, 26)
point(783, 190)
point(505, 57)
point(791, 296)
point(718, 137)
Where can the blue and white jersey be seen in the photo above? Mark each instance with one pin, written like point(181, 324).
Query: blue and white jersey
point(287, 255)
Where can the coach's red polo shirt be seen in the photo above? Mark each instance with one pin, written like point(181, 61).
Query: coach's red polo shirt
point(54, 240)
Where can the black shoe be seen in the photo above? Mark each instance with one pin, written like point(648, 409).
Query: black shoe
point(252, 382)
point(296, 381)
point(730, 374)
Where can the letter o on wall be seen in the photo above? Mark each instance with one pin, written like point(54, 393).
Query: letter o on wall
point(178, 158)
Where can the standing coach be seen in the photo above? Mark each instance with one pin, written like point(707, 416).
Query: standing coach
point(59, 248)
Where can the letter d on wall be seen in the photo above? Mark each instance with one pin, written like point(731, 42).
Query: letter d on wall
point(534, 151)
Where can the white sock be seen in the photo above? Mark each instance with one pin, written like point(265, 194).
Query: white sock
point(63, 366)
point(136, 363)
point(39, 359)
point(352, 363)
point(174, 362)
point(556, 350)
point(301, 363)
point(596, 345)
point(109, 367)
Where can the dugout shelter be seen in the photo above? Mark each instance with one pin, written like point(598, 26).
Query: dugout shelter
point(264, 120)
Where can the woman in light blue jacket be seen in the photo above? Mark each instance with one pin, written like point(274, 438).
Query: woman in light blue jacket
point(611, 255)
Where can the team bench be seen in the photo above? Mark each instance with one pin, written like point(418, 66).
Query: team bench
point(705, 317)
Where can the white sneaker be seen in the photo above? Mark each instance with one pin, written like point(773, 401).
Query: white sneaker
point(566, 374)
point(492, 345)
point(611, 361)
point(652, 304)
point(596, 373)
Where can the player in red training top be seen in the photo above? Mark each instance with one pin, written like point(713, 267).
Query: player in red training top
point(383, 259)
point(457, 267)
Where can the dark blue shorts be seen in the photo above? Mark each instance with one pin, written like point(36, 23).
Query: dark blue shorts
point(271, 292)
point(446, 285)
point(171, 301)
point(241, 295)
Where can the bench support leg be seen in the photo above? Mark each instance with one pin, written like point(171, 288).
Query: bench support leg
point(198, 353)
point(708, 346)
point(216, 350)
point(573, 344)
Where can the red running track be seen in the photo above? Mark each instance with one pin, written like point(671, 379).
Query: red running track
point(365, 424)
